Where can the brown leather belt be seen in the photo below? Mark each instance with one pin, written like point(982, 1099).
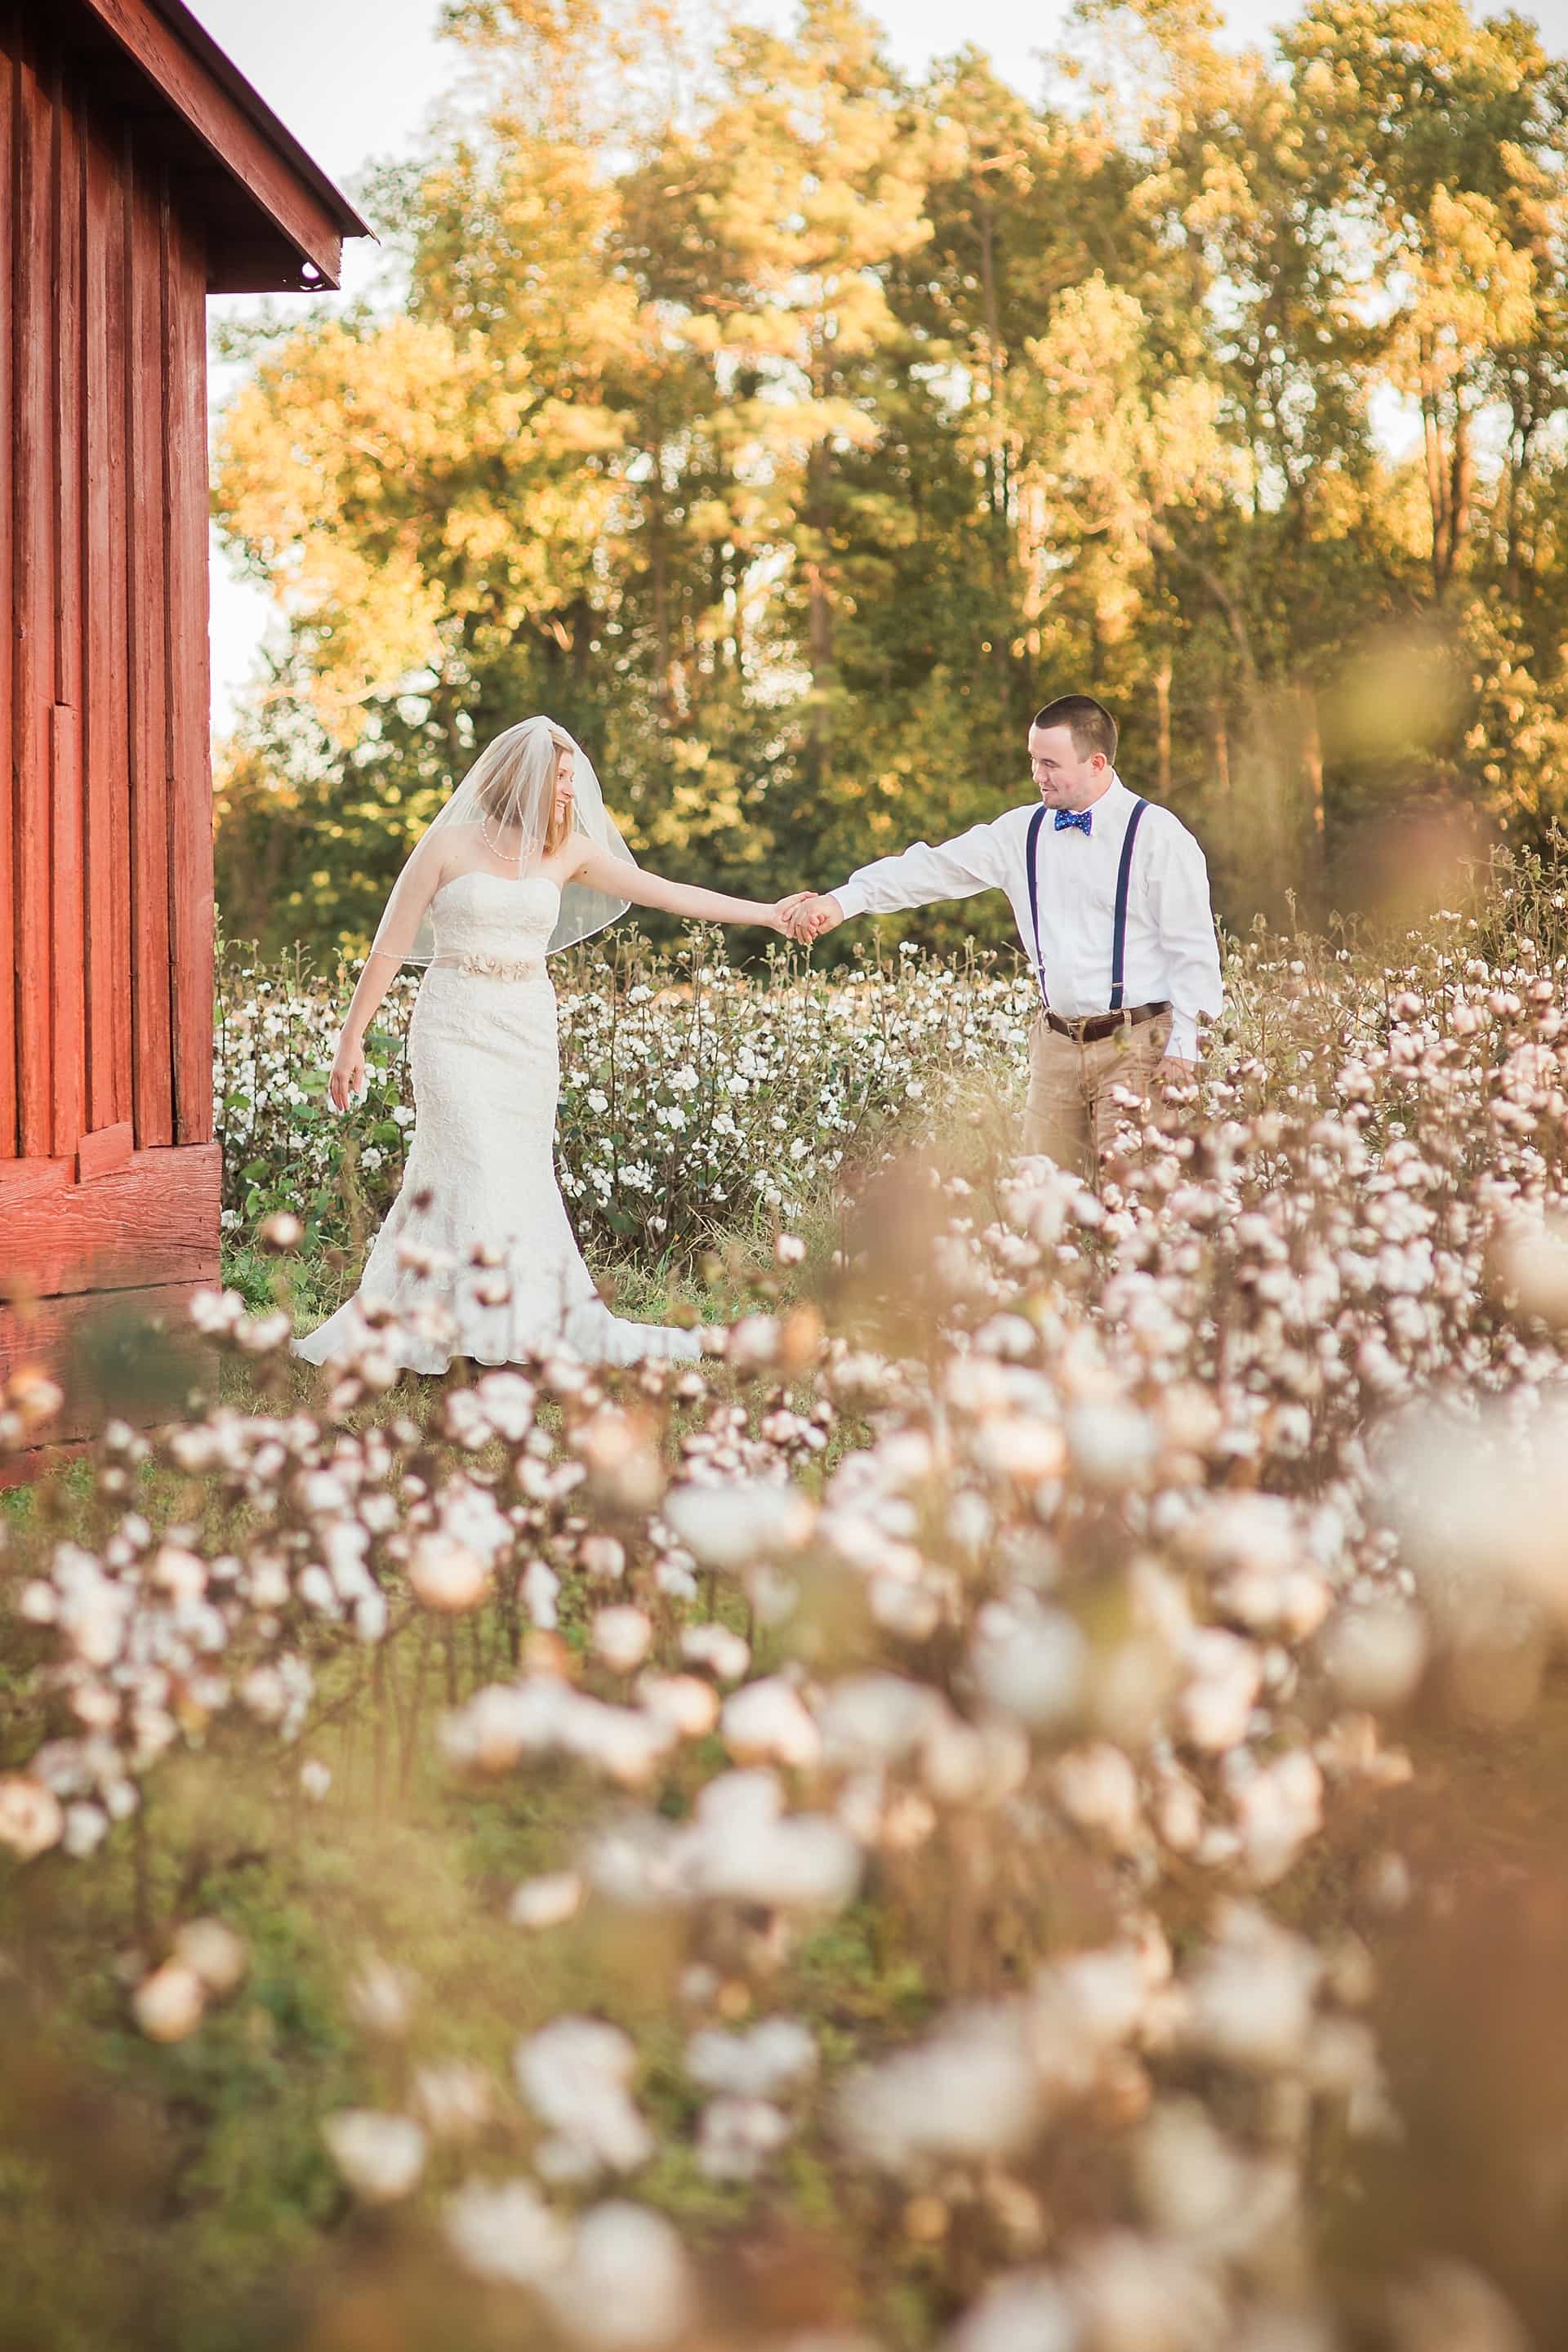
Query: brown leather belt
point(1093, 1026)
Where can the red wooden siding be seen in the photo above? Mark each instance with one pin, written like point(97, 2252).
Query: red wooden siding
point(138, 173)
point(109, 837)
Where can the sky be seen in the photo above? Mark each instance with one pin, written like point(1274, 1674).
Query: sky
point(354, 79)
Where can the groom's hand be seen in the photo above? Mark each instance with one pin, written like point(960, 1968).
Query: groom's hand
point(815, 915)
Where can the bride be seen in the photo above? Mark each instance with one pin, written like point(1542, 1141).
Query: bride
point(475, 1256)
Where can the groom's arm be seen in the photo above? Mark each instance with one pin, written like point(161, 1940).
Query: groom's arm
point(960, 868)
point(1179, 899)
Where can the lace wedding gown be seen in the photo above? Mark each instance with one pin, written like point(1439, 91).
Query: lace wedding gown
point(480, 1173)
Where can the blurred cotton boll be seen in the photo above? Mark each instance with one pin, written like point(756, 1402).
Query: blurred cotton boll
point(626, 2287)
point(1375, 1653)
point(381, 2156)
point(445, 1575)
point(1480, 1504)
point(216, 1954)
point(729, 1527)
point(31, 1818)
point(170, 2003)
point(1027, 2312)
point(548, 1901)
point(506, 2233)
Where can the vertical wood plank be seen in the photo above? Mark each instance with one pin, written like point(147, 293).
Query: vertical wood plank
point(68, 940)
point(10, 961)
point(190, 770)
point(107, 861)
point(152, 1090)
point(33, 618)
point(114, 734)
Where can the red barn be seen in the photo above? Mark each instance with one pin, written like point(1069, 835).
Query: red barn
point(140, 172)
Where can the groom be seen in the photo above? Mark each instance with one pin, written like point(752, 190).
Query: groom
point(1110, 895)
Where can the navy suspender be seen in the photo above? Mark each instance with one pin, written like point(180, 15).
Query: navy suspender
point(1123, 877)
point(1031, 860)
point(1123, 885)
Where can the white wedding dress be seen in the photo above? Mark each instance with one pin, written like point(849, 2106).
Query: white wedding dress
point(480, 1173)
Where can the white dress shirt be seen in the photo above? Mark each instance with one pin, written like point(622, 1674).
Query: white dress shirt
point(1172, 955)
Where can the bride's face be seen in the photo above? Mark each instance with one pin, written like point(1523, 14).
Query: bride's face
point(565, 763)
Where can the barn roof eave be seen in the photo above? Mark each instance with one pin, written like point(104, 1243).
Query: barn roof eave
point(287, 220)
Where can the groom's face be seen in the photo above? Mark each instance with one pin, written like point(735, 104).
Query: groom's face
point(1063, 777)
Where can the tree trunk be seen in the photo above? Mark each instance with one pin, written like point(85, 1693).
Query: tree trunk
point(1220, 738)
point(1312, 760)
point(1163, 705)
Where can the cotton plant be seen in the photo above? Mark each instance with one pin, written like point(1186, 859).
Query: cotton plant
point(1119, 1579)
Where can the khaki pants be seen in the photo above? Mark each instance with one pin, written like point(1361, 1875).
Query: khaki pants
point(1071, 1116)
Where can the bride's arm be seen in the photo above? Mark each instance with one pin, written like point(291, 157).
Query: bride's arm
point(411, 895)
point(619, 879)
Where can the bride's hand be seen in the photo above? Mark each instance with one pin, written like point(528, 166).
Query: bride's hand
point(348, 1073)
point(784, 912)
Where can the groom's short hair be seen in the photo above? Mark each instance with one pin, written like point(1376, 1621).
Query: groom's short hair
point(1089, 723)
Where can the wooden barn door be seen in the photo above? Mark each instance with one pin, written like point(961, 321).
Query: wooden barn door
point(109, 1176)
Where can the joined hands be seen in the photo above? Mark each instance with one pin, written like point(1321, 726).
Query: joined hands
point(807, 916)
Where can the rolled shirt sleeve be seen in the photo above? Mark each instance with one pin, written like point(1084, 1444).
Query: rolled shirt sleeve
point(1179, 901)
point(960, 868)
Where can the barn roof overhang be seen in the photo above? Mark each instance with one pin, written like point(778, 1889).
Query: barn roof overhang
point(272, 219)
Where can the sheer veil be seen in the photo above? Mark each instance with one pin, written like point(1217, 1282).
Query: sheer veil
point(498, 822)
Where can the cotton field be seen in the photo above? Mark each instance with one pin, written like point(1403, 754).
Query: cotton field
point(952, 1822)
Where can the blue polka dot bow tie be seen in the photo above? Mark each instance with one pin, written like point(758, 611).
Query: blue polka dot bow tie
point(1082, 818)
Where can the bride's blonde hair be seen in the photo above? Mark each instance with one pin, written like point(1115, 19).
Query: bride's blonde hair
point(513, 781)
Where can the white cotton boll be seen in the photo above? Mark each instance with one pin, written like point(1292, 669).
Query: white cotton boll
point(1134, 2295)
point(1017, 1446)
point(445, 1575)
point(909, 1613)
point(177, 1572)
point(169, 2004)
point(736, 2137)
point(1113, 1446)
point(573, 2073)
point(1028, 1662)
point(1278, 1808)
point(729, 1527)
point(1446, 2306)
point(541, 1591)
point(218, 1954)
point(504, 1722)
point(1097, 1789)
point(456, 2101)
point(1195, 2184)
point(623, 1637)
point(1023, 2312)
point(603, 1560)
point(767, 1723)
point(506, 2231)
point(974, 1764)
point(507, 1399)
point(1375, 1653)
point(1251, 1991)
point(873, 1718)
point(381, 2156)
point(776, 2056)
point(1108, 1992)
point(1178, 1811)
point(370, 1619)
point(687, 1705)
point(726, 1656)
point(626, 2283)
point(739, 1849)
point(86, 1827)
point(1223, 1675)
point(547, 1901)
point(315, 1779)
point(31, 1818)
point(968, 2095)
